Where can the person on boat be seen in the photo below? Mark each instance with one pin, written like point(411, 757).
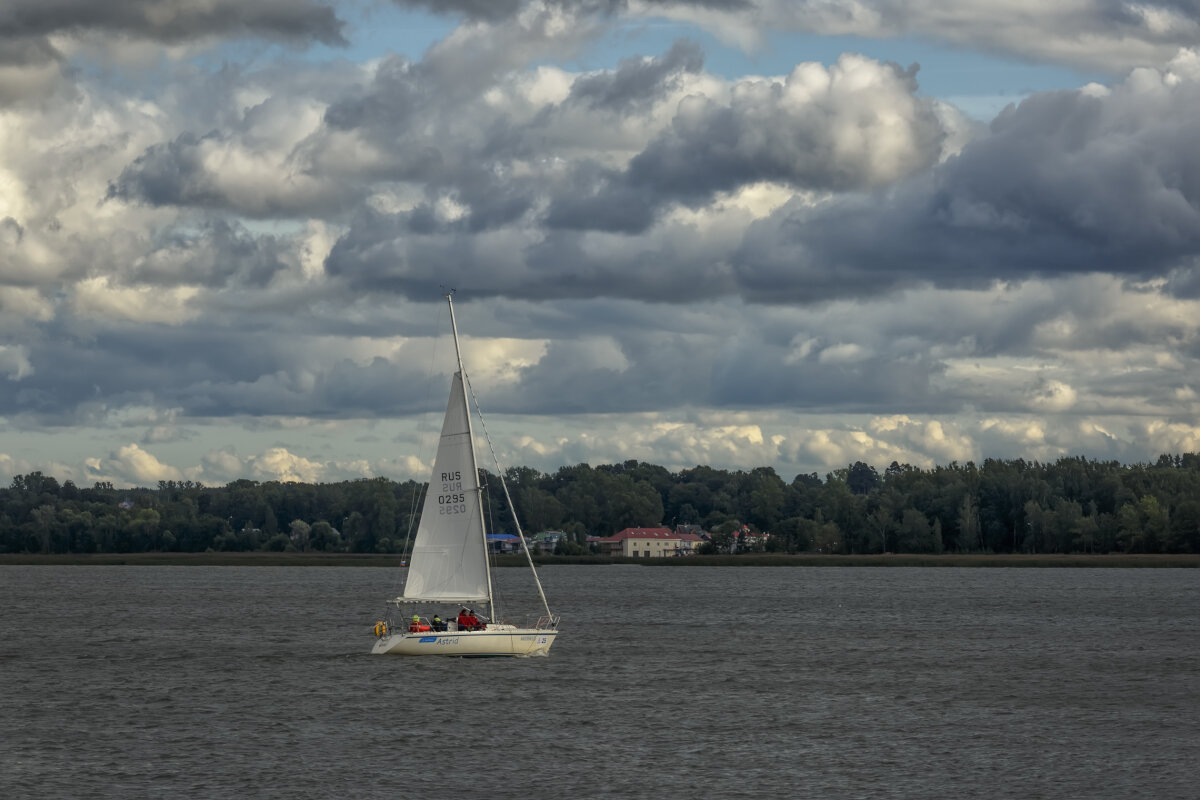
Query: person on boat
point(417, 626)
point(438, 623)
point(464, 620)
point(473, 621)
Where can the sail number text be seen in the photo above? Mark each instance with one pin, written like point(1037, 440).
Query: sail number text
point(452, 500)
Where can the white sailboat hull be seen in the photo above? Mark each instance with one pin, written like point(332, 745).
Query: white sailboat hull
point(504, 640)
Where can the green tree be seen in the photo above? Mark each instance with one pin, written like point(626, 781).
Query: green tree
point(764, 498)
point(1184, 536)
point(862, 478)
point(322, 536)
point(969, 538)
point(915, 534)
point(298, 534)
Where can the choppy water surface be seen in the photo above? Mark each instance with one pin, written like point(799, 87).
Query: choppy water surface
point(666, 682)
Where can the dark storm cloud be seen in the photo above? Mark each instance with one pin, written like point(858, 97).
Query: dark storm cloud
point(258, 160)
point(493, 10)
point(30, 69)
point(398, 95)
point(174, 20)
point(11, 232)
point(216, 254)
point(604, 356)
point(427, 130)
point(384, 253)
point(600, 199)
point(1184, 283)
point(177, 173)
point(764, 134)
point(1068, 182)
point(1123, 13)
point(745, 379)
point(26, 52)
point(218, 365)
point(858, 124)
point(637, 358)
point(172, 173)
point(36, 67)
point(638, 80)
point(422, 126)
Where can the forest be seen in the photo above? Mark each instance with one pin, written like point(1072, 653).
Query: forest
point(1073, 505)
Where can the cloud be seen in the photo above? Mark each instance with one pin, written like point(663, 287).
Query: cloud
point(278, 464)
point(14, 362)
point(1092, 34)
point(131, 465)
point(854, 125)
point(1087, 33)
point(24, 303)
point(97, 298)
point(38, 39)
point(703, 143)
point(637, 81)
point(174, 20)
point(1091, 180)
point(29, 69)
point(236, 265)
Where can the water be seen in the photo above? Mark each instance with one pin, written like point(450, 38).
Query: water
point(223, 682)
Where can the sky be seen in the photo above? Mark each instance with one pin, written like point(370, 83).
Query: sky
point(739, 233)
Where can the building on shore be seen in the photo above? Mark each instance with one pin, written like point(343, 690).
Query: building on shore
point(647, 543)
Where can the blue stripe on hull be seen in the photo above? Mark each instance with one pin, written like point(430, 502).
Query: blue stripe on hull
point(432, 648)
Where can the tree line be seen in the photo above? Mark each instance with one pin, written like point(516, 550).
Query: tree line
point(1073, 505)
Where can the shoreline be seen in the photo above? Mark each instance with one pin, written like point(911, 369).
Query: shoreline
point(261, 559)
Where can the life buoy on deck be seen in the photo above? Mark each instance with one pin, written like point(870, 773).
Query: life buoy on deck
point(380, 629)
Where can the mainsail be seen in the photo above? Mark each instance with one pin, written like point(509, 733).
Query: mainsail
point(449, 559)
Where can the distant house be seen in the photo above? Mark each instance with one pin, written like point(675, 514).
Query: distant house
point(547, 541)
point(690, 538)
point(689, 543)
point(501, 543)
point(746, 539)
point(640, 543)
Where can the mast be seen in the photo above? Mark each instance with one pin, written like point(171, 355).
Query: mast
point(474, 464)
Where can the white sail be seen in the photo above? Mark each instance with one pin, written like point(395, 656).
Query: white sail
point(449, 560)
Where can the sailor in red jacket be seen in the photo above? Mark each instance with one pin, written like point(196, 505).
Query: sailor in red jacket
point(464, 621)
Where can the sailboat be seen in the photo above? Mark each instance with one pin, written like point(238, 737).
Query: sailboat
point(449, 570)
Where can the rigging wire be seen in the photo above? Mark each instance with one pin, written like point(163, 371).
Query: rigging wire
point(497, 595)
point(507, 496)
